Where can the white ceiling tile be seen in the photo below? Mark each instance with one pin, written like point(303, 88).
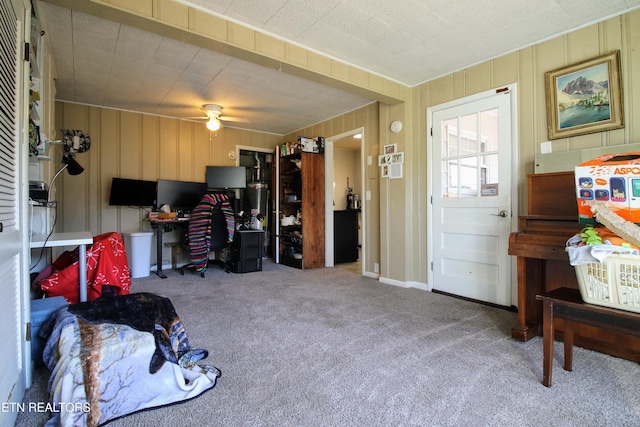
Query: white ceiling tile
point(101, 62)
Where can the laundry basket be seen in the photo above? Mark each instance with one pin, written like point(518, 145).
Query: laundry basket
point(614, 283)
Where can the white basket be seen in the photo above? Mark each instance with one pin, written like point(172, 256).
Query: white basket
point(613, 283)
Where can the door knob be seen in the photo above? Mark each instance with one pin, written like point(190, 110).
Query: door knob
point(503, 213)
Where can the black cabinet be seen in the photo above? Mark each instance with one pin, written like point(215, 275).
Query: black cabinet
point(245, 254)
point(345, 236)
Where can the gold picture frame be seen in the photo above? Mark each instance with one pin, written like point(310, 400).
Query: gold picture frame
point(585, 97)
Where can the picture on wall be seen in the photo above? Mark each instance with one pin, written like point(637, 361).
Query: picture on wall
point(585, 97)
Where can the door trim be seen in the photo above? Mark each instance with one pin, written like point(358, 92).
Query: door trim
point(515, 172)
point(328, 198)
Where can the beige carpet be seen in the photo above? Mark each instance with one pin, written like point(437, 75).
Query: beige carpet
point(328, 347)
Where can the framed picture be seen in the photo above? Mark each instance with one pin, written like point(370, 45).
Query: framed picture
point(585, 97)
point(397, 157)
point(384, 159)
point(390, 148)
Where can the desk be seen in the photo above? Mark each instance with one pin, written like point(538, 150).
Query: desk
point(566, 304)
point(80, 239)
point(160, 226)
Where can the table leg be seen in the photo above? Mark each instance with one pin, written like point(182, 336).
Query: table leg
point(568, 345)
point(159, 272)
point(82, 271)
point(548, 332)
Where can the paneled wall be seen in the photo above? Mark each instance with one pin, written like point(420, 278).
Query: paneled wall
point(147, 147)
point(526, 68)
point(137, 146)
point(346, 168)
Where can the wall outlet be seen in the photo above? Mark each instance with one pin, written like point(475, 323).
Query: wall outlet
point(367, 195)
point(376, 267)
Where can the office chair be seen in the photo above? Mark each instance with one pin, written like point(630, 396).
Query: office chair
point(211, 228)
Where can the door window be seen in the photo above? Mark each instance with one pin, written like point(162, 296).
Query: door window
point(470, 155)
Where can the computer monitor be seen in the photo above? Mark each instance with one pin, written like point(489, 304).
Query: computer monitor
point(132, 192)
point(180, 195)
point(226, 177)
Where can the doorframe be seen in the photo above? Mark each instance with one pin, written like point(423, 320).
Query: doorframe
point(515, 173)
point(271, 225)
point(328, 198)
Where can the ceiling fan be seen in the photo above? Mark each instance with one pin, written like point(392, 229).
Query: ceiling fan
point(215, 118)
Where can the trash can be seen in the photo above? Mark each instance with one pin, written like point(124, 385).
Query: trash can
point(138, 247)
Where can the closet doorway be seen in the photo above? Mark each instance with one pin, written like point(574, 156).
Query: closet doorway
point(257, 196)
point(344, 201)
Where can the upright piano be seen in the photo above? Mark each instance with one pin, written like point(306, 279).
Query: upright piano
point(543, 264)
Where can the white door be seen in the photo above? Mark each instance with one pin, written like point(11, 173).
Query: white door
point(13, 167)
point(471, 198)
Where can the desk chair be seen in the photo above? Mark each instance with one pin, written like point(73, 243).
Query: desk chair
point(211, 228)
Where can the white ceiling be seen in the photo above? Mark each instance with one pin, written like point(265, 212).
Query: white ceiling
point(109, 64)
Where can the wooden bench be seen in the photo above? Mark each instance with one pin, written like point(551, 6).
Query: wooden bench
point(566, 304)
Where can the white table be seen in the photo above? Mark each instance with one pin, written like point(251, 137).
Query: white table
point(76, 238)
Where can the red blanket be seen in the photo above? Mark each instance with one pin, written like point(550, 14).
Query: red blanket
point(106, 265)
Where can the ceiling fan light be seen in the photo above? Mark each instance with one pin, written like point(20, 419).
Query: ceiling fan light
point(213, 124)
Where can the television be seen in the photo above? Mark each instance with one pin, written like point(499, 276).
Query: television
point(180, 195)
point(132, 192)
point(226, 177)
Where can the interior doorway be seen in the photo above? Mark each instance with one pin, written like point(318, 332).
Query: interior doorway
point(255, 200)
point(344, 208)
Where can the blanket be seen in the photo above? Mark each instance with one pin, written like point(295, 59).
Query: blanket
point(117, 355)
point(106, 266)
point(200, 228)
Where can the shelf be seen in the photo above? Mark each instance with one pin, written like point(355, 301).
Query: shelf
point(290, 261)
point(303, 179)
point(295, 155)
point(289, 228)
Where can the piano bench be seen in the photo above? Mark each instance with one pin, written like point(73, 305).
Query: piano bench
point(566, 304)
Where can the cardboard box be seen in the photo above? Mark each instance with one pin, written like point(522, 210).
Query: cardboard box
point(613, 179)
point(308, 144)
point(167, 215)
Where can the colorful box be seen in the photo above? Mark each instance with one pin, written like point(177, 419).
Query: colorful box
point(613, 179)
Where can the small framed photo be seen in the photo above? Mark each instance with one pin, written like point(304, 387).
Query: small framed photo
point(585, 97)
point(385, 171)
point(397, 157)
point(390, 148)
point(384, 159)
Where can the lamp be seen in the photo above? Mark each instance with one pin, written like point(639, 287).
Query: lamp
point(71, 165)
point(213, 124)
